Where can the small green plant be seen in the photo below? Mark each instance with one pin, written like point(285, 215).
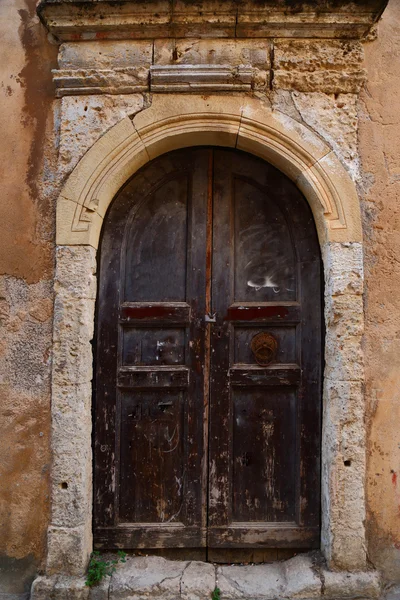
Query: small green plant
point(99, 567)
point(216, 594)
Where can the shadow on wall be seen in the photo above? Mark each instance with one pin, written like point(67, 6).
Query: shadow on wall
point(16, 576)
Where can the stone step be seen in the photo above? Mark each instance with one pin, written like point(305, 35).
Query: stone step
point(303, 577)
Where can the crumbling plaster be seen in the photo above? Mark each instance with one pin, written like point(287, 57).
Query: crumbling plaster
point(379, 143)
point(27, 217)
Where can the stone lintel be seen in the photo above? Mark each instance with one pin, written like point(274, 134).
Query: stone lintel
point(128, 19)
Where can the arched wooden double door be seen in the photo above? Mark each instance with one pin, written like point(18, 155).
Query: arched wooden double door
point(208, 359)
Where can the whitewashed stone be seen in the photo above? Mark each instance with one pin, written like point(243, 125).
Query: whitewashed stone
point(147, 577)
point(42, 588)
point(84, 120)
point(344, 268)
point(70, 588)
point(333, 117)
point(301, 579)
point(72, 351)
point(198, 581)
point(351, 585)
point(76, 272)
point(256, 581)
point(101, 590)
point(68, 549)
point(344, 315)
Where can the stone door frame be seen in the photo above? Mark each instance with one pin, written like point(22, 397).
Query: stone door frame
point(176, 121)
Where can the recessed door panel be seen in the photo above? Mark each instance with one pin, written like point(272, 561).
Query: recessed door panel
point(263, 447)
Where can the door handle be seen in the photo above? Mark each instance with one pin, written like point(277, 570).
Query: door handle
point(210, 317)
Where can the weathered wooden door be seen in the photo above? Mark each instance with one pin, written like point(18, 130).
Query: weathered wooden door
point(208, 359)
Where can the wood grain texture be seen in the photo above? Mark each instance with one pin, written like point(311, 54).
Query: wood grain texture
point(195, 443)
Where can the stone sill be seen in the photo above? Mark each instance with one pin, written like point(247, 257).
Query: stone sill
point(74, 20)
point(301, 577)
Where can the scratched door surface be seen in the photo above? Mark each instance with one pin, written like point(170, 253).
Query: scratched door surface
point(208, 359)
point(149, 449)
point(265, 360)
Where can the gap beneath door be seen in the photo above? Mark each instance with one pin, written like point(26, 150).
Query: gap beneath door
point(225, 555)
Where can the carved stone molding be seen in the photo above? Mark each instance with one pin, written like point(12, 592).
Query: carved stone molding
point(126, 80)
point(186, 78)
point(127, 19)
point(128, 67)
point(176, 121)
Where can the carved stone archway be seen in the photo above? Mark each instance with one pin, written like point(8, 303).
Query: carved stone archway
point(171, 122)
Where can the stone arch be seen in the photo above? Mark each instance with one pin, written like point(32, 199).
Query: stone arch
point(177, 122)
point(172, 122)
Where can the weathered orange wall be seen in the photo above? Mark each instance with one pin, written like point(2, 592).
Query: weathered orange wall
point(26, 268)
point(379, 146)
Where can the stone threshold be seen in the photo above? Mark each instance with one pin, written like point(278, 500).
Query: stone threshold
point(303, 577)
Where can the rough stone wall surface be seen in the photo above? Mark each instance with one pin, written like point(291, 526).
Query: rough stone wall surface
point(379, 143)
point(26, 270)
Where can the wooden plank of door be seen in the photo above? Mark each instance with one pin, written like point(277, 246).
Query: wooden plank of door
point(257, 487)
point(155, 310)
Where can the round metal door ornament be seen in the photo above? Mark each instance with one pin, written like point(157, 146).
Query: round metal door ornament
point(264, 347)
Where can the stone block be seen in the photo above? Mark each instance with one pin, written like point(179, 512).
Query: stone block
point(72, 351)
point(73, 319)
point(147, 577)
point(72, 470)
point(76, 225)
point(193, 19)
point(313, 55)
point(200, 78)
point(101, 590)
point(76, 272)
point(344, 268)
point(344, 401)
point(71, 588)
point(344, 315)
point(124, 80)
point(68, 549)
point(277, 138)
point(329, 82)
point(351, 585)
point(330, 66)
point(105, 54)
point(301, 578)
point(344, 360)
point(42, 588)
point(84, 119)
point(193, 120)
point(335, 118)
point(231, 52)
point(198, 581)
point(325, 184)
point(257, 581)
